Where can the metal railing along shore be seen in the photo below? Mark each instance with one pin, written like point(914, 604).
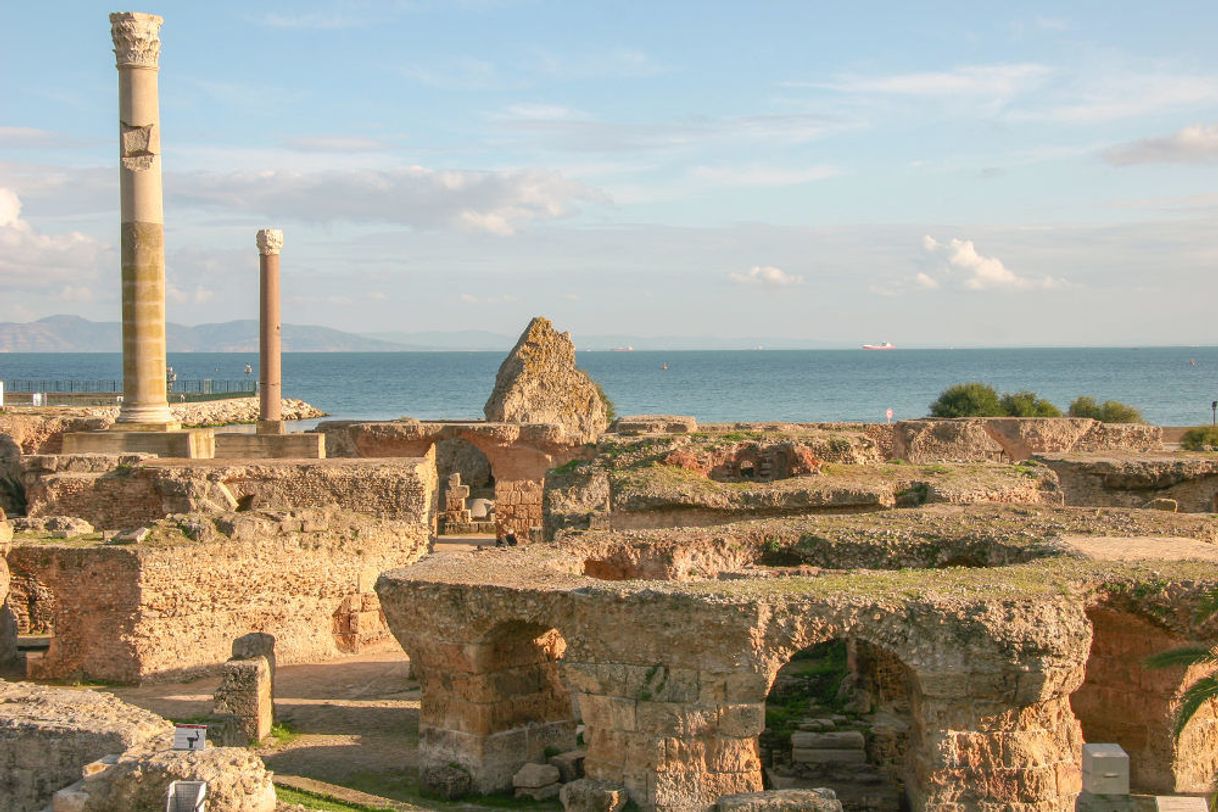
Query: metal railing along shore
point(107, 392)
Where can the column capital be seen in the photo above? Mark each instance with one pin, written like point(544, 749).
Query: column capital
point(137, 39)
point(270, 241)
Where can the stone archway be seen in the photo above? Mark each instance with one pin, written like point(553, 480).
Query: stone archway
point(1122, 701)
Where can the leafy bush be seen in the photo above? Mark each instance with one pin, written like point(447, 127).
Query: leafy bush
point(1202, 438)
point(1110, 411)
point(1027, 404)
point(967, 400)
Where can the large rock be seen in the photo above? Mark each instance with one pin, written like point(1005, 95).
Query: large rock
point(236, 780)
point(539, 383)
point(782, 800)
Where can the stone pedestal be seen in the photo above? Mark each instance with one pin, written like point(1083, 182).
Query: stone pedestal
point(137, 48)
point(270, 377)
point(193, 444)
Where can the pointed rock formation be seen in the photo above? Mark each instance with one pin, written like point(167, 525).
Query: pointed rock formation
point(539, 383)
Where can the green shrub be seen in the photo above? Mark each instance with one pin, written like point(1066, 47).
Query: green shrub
point(1202, 438)
point(1110, 411)
point(1027, 404)
point(967, 400)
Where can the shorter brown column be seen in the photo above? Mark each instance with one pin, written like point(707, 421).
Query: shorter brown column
point(270, 380)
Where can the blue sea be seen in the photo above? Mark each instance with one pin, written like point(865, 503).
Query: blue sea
point(1170, 385)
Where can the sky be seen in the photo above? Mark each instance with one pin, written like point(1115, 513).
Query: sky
point(931, 174)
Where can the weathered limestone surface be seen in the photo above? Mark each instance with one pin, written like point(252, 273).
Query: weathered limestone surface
point(123, 491)
point(173, 603)
point(671, 676)
point(1127, 480)
point(654, 424)
point(236, 780)
point(245, 693)
point(973, 439)
point(538, 382)
point(782, 800)
point(715, 478)
point(48, 734)
point(519, 456)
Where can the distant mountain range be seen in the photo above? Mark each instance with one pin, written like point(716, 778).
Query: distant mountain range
point(75, 334)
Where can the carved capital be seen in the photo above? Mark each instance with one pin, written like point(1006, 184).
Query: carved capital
point(137, 39)
point(270, 241)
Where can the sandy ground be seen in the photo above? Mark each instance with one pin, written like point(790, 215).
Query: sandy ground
point(1153, 548)
point(357, 718)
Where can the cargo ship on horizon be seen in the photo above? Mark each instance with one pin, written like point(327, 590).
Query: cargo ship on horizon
point(883, 345)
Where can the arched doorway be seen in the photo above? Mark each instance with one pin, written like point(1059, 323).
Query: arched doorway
point(840, 715)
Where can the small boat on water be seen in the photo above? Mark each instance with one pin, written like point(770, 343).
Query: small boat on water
point(883, 345)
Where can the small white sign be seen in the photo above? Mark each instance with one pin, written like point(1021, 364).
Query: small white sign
point(1180, 804)
point(190, 737)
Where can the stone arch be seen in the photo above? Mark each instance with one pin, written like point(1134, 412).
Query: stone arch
point(497, 703)
point(840, 713)
point(1122, 701)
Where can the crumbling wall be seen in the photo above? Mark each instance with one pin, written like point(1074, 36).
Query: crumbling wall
point(1188, 483)
point(123, 491)
point(48, 734)
point(173, 603)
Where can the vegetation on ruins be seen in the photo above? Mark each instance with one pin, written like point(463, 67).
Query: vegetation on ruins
point(1110, 411)
point(1028, 404)
point(1201, 438)
point(974, 399)
point(610, 411)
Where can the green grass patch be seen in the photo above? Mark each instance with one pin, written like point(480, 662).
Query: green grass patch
point(309, 800)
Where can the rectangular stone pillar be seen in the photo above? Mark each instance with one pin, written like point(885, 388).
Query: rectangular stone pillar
point(137, 48)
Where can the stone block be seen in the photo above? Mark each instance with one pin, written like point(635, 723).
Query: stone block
point(229, 445)
point(195, 444)
point(70, 799)
point(1088, 802)
point(546, 793)
point(587, 795)
point(245, 692)
point(570, 765)
point(445, 781)
point(832, 740)
point(1105, 769)
point(782, 800)
point(532, 776)
point(802, 756)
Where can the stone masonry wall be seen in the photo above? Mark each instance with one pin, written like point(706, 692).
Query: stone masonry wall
point(1124, 702)
point(174, 603)
point(115, 492)
point(48, 734)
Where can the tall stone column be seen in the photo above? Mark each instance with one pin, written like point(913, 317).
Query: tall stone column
point(137, 47)
point(270, 380)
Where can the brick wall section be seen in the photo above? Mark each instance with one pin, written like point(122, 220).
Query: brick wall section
point(172, 605)
point(518, 506)
point(1121, 701)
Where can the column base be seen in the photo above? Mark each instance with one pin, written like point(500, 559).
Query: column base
point(233, 446)
point(192, 444)
point(270, 427)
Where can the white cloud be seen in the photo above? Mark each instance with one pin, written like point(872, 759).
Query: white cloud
point(33, 261)
point(1197, 144)
point(1003, 80)
point(754, 175)
point(499, 202)
point(76, 293)
point(765, 276)
point(317, 20)
point(21, 137)
point(963, 264)
point(1120, 93)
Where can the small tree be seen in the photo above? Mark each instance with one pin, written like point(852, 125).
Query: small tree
point(1027, 404)
point(1110, 411)
point(967, 400)
point(1202, 438)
